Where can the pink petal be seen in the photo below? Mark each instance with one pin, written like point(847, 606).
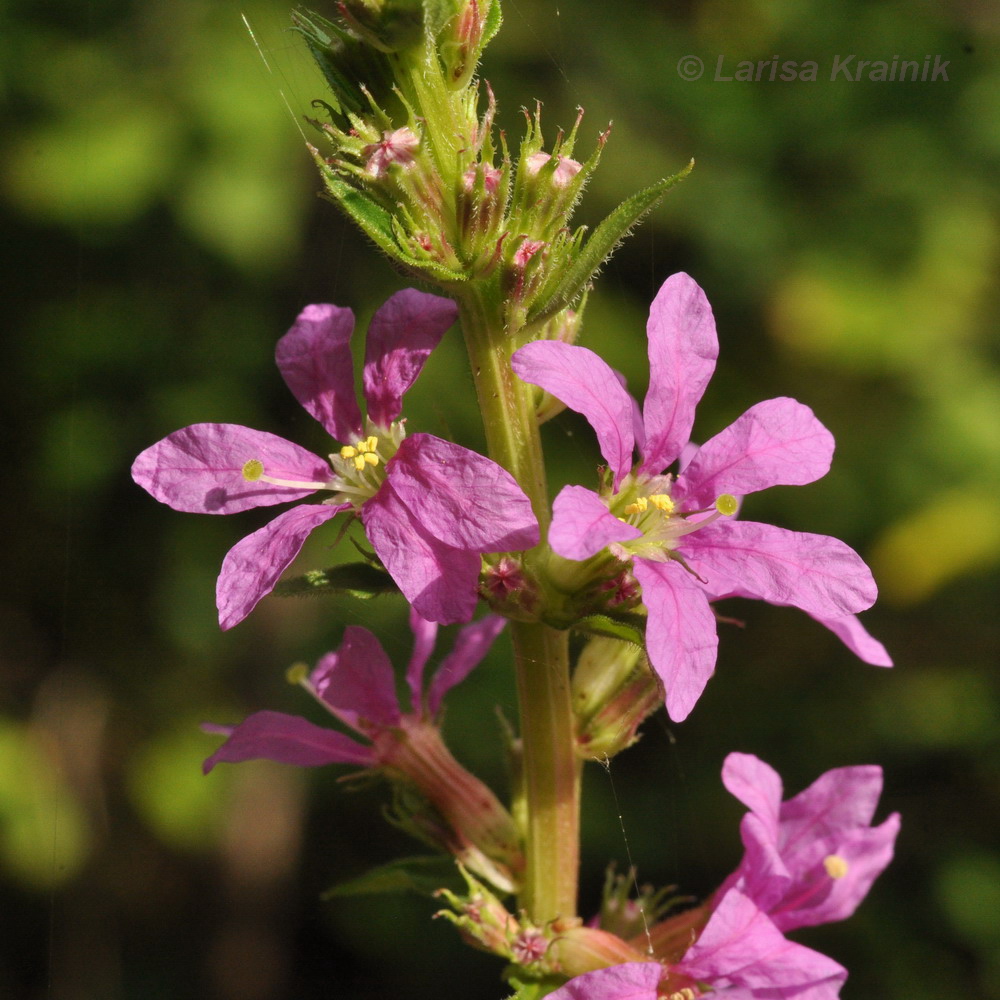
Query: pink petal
point(402, 334)
point(582, 525)
point(461, 498)
point(681, 640)
point(357, 682)
point(756, 784)
point(199, 469)
point(819, 574)
point(632, 981)
point(315, 359)
point(424, 636)
point(778, 442)
point(287, 739)
point(587, 384)
point(438, 580)
point(252, 566)
point(683, 348)
point(473, 643)
point(858, 640)
point(840, 799)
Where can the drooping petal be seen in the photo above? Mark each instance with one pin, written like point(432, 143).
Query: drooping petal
point(438, 580)
point(287, 739)
point(817, 573)
point(357, 682)
point(778, 442)
point(582, 525)
point(680, 635)
point(587, 384)
point(424, 636)
point(402, 334)
point(631, 981)
point(741, 947)
point(252, 566)
point(463, 499)
point(315, 359)
point(472, 644)
point(683, 348)
point(199, 469)
point(858, 639)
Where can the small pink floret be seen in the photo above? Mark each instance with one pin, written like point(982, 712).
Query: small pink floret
point(566, 169)
point(396, 147)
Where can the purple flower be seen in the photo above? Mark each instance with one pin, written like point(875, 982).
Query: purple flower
point(429, 507)
point(812, 859)
point(677, 530)
point(356, 684)
point(631, 981)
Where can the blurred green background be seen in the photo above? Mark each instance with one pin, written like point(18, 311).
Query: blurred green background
point(161, 230)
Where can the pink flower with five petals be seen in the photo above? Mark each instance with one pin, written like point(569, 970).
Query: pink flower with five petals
point(676, 531)
point(429, 507)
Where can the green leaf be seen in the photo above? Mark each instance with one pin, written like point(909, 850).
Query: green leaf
point(372, 218)
point(627, 627)
point(360, 580)
point(423, 875)
point(602, 244)
point(534, 989)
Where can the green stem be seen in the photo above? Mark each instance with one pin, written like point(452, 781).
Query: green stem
point(551, 768)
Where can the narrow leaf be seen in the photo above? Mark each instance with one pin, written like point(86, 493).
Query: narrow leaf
point(627, 627)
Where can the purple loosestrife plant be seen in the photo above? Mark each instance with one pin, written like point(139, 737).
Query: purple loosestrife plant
point(677, 532)
point(428, 506)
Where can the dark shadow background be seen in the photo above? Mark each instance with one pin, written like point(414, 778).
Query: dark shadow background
point(161, 233)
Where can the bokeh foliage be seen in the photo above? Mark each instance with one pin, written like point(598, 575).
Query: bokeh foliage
point(161, 234)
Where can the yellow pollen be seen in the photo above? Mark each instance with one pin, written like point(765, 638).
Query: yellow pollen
point(638, 507)
point(371, 443)
point(726, 504)
point(685, 994)
point(371, 459)
point(296, 673)
point(359, 462)
point(835, 865)
point(253, 470)
point(348, 452)
point(662, 503)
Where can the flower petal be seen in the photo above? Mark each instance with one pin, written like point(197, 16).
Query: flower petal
point(315, 359)
point(683, 348)
point(424, 636)
point(756, 784)
point(680, 636)
point(858, 639)
point(403, 332)
point(199, 469)
point(438, 580)
point(778, 442)
point(473, 643)
point(819, 574)
point(252, 566)
point(357, 682)
point(463, 499)
point(631, 981)
point(587, 384)
point(287, 739)
point(582, 525)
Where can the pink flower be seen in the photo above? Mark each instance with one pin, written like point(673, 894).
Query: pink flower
point(397, 146)
point(677, 530)
point(429, 507)
point(812, 859)
point(566, 169)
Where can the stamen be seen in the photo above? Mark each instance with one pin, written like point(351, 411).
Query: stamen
point(348, 452)
point(639, 507)
point(371, 459)
point(253, 472)
point(836, 867)
point(296, 673)
point(662, 502)
point(359, 462)
point(726, 504)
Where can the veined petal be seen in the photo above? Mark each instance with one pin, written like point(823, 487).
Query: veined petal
point(587, 384)
point(778, 442)
point(841, 799)
point(199, 469)
point(858, 639)
point(473, 643)
point(631, 981)
point(756, 784)
point(287, 739)
point(680, 636)
point(438, 580)
point(683, 348)
point(403, 332)
point(252, 566)
point(582, 525)
point(315, 359)
point(463, 499)
point(817, 573)
point(424, 636)
point(357, 682)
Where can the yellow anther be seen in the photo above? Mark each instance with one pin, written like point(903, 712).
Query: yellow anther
point(371, 459)
point(359, 462)
point(835, 865)
point(662, 502)
point(348, 452)
point(726, 504)
point(296, 673)
point(639, 507)
point(253, 470)
point(371, 443)
point(685, 994)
